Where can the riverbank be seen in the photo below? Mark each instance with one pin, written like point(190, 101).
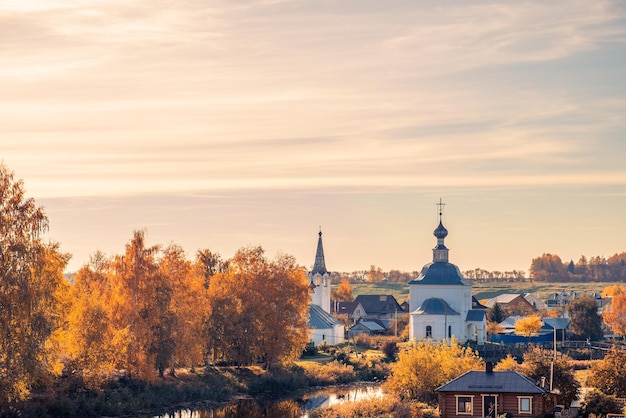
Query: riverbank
point(206, 388)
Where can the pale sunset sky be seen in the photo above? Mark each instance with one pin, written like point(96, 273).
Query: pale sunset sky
point(222, 124)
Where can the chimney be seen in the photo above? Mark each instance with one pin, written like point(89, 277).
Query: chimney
point(489, 367)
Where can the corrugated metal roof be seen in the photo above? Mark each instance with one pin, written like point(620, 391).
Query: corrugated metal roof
point(320, 319)
point(496, 381)
point(476, 315)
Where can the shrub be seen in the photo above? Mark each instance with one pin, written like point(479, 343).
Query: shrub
point(390, 349)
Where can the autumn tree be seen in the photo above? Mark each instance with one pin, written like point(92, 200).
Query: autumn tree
point(528, 325)
point(188, 306)
point(423, 368)
point(609, 375)
point(585, 322)
point(613, 290)
point(343, 292)
point(375, 274)
point(93, 348)
point(258, 309)
point(548, 268)
point(539, 363)
point(31, 279)
point(615, 317)
point(209, 263)
point(142, 303)
point(508, 363)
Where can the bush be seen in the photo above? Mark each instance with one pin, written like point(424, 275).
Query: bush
point(390, 349)
point(332, 373)
point(599, 404)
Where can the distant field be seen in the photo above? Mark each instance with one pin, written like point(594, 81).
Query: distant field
point(484, 290)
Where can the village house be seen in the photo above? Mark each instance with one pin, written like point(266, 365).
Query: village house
point(512, 304)
point(491, 393)
point(383, 307)
point(353, 311)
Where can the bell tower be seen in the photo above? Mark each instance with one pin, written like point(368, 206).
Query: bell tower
point(319, 278)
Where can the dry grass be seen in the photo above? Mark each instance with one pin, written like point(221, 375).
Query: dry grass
point(385, 407)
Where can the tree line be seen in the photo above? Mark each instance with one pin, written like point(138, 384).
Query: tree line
point(140, 313)
point(550, 268)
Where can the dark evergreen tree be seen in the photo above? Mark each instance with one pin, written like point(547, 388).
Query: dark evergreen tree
point(496, 314)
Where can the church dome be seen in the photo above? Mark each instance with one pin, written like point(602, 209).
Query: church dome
point(440, 273)
point(435, 306)
point(441, 232)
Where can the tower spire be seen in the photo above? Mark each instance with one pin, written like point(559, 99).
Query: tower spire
point(320, 264)
point(440, 252)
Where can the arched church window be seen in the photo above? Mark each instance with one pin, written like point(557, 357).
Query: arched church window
point(429, 331)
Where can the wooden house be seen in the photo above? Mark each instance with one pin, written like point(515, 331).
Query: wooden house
point(493, 394)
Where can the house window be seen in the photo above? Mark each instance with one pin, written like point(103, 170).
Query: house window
point(525, 404)
point(429, 331)
point(449, 331)
point(463, 405)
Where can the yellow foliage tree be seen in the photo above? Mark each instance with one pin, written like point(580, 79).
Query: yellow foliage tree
point(508, 363)
point(31, 279)
point(91, 345)
point(529, 325)
point(421, 369)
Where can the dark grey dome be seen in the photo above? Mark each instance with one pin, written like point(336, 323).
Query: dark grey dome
point(440, 273)
point(441, 231)
point(435, 306)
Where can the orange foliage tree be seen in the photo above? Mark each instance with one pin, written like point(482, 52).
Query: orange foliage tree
point(343, 292)
point(141, 301)
point(31, 281)
point(615, 318)
point(258, 309)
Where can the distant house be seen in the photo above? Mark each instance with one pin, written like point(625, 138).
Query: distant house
point(556, 325)
point(491, 393)
point(512, 304)
point(561, 299)
point(383, 307)
point(476, 304)
point(537, 303)
point(368, 327)
point(546, 333)
point(353, 310)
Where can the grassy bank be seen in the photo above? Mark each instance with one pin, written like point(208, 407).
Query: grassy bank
point(69, 397)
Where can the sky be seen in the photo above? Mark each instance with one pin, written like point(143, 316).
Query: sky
point(225, 124)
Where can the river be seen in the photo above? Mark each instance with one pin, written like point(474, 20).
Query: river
point(288, 408)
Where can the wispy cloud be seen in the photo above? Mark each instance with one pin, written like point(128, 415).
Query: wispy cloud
point(120, 98)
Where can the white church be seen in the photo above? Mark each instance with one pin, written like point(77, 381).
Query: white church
point(323, 327)
point(440, 302)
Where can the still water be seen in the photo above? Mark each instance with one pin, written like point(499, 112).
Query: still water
point(287, 408)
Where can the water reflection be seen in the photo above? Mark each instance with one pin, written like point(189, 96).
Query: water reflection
point(288, 408)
